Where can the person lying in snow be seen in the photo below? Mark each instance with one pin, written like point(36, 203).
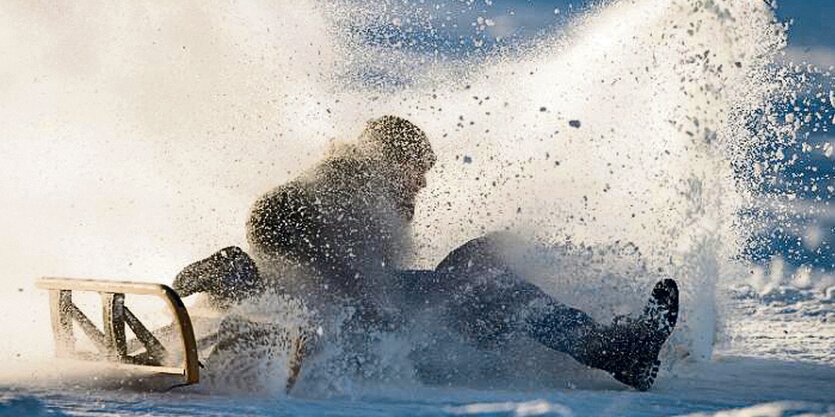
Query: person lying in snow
point(333, 237)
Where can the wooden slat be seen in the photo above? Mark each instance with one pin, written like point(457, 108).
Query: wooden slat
point(156, 351)
point(61, 322)
point(173, 370)
point(113, 319)
point(123, 287)
point(93, 333)
point(294, 359)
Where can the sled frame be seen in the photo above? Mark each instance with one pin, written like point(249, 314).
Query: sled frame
point(110, 342)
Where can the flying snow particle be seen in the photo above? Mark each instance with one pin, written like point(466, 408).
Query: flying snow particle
point(830, 294)
point(832, 97)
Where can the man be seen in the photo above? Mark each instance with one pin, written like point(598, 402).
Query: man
point(336, 234)
point(334, 237)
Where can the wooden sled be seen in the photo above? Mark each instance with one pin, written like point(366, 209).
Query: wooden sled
point(146, 352)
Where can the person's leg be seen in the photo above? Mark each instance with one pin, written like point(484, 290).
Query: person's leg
point(227, 276)
point(557, 326)
point(490, 302)
point(628, 349)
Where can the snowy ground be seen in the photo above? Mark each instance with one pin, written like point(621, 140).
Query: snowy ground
point(728, 383)
point(784, 323)
point(779, 360)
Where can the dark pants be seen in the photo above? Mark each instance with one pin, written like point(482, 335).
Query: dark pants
point(488, 303)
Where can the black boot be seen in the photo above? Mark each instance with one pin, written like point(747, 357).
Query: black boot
point(628, 349)
point(229, 275)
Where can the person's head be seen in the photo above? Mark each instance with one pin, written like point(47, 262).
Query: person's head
point(407, 152)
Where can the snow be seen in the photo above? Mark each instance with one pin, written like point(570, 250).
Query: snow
point(223, 104)
point(775, 409)
point(783, 388)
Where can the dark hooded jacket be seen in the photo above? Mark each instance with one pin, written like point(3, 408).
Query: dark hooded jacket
point(339, 230)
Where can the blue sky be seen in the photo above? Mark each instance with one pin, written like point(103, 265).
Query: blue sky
point(813, 22)
point(813, 19)
point(455, 25)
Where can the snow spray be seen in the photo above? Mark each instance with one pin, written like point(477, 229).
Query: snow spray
point(135, 139)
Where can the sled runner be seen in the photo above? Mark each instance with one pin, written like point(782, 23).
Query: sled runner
point(172, 349)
